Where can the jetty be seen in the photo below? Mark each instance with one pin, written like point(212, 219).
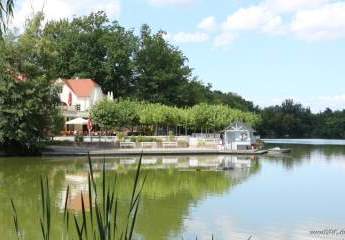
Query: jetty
point(72, 151)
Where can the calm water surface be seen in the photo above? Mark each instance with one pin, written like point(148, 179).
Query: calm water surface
point(271, 197)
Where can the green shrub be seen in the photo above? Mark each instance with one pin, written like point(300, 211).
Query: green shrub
point(182, 143)
point(120, 136)
point(171, 136)
point(201, 143)
point(144, 139)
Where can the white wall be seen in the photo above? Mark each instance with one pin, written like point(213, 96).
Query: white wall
point(84, 102)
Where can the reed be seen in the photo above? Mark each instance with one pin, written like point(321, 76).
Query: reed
point(101, 222)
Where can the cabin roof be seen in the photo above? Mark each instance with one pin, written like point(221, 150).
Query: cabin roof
point(239, 126)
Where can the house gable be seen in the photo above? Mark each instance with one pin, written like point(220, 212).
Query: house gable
point(81, 87)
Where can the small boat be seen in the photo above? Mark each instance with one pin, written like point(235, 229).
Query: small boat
point(279, 150)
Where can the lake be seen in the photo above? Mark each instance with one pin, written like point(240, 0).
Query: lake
point(266, 197)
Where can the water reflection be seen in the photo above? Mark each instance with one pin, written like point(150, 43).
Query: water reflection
point(170, 191)
point(174, 185)
point(302, 154)
point(77, 183)
point(272, 197)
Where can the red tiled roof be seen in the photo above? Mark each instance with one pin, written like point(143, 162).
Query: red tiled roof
point(81, 87)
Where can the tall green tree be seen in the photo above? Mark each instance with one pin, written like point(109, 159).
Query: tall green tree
point(118, 66)
point(330, 124)
point(161, 69)
point(27, 111)
point(6, 11)
point(144, 67)
point(77, 46)
point(93, 47)
point(28, 99)
point(286, 120)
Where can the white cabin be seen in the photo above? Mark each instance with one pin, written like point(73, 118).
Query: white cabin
point(239, 136)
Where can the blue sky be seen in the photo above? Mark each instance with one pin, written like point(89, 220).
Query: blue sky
point(264, 50)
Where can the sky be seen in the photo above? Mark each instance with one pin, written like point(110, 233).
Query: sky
point(263, 50)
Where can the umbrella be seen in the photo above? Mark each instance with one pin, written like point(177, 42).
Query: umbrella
point(77, 121)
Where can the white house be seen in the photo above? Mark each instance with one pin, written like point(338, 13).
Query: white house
point(79, 94)
point(239, 136)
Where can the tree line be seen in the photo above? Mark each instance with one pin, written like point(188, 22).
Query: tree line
point(151, 117)
point(140, 65)
point(288, 120)
point(293, 120)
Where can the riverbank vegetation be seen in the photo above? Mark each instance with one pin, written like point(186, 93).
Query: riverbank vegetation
point(28, 112)
point(293, 120)
point(152, 117)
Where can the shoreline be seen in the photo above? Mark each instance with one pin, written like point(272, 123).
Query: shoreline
point(305, 141)
point(66, 151)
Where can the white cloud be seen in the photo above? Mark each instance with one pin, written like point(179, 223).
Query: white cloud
point(188, 37)
point(253, 18)
point(171, 2)
point(224, 39)
point(326, 22)
point(56, 9)
point(305, 19)
point(208, 24)
point(280, 6)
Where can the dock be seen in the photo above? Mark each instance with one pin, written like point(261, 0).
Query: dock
point(144, 151)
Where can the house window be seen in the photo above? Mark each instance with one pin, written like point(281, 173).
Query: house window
point(77, 107)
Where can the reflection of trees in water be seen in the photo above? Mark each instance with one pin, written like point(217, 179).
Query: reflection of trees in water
point(303, 153)
point(333, 151)
point(20, 182)
point(169, 194)
point(166, 200)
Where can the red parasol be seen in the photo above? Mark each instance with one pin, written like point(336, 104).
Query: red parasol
point(89, 124)
point(70, 99)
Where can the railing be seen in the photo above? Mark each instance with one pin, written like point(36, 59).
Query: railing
point(95, 139)
point(169, 144)
point(127, 144)
point(71, 111)
point(69, 108)
point(206, 135)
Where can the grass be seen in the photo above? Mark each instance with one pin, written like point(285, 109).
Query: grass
point(101, 222)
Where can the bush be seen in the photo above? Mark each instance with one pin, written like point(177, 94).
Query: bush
point(171, 136)
point(182, 143)
point(145, 139)
point(120, 136)
point(201, 143)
